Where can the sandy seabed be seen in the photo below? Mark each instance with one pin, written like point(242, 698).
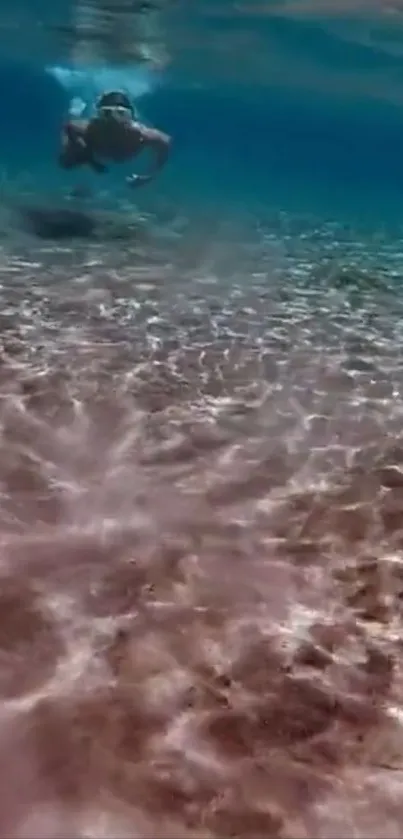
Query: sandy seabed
point(201, 475)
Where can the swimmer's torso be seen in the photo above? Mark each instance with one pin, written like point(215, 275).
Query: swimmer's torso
point(106, 139)
point(112, 140)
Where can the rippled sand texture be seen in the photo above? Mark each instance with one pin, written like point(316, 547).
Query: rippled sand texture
point(201, 472)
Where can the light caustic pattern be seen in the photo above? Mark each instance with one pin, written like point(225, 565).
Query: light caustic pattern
point(201, 540)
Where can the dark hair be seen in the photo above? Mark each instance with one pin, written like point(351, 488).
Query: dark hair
point(115, 99)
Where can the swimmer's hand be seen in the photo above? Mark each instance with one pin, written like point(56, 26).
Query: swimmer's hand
point(159, 143)
point(138, 180)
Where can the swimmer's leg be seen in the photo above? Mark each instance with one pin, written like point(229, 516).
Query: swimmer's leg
point(97, 166)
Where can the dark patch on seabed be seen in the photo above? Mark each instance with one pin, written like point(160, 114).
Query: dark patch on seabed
point(201, 469)
point(68, 222)
point(57, 223)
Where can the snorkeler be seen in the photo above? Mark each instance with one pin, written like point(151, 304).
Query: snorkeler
point(114, 135)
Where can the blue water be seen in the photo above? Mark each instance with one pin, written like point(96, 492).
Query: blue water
point(303, 111)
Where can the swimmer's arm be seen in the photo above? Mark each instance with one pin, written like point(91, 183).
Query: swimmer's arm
point(75, 150)
point(160, 145)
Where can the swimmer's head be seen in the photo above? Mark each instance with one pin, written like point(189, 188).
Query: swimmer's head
point(115, 105)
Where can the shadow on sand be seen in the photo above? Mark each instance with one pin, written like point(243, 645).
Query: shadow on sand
point(57, 223)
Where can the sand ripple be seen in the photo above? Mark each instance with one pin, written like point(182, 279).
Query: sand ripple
point(201, 478)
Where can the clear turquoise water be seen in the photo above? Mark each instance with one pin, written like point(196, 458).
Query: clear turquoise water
point(270, 104)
